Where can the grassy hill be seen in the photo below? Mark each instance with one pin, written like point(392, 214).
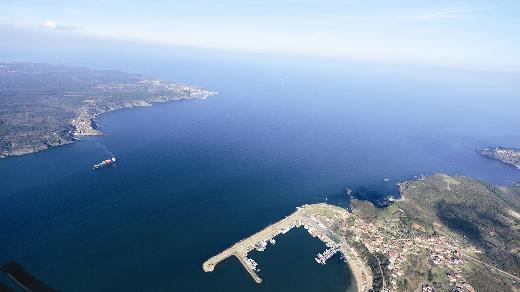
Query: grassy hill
point(484, 216)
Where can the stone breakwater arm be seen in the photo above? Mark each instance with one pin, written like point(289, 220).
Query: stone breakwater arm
point(243, 261)
point(303, 216)
point(241, 248)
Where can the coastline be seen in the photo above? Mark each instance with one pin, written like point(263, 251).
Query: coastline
point(307, 216)
point(507, 155)
point(84, 124)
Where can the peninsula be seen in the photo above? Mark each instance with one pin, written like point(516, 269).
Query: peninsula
point(506, 155)
point(445, 233)
point(45, 105)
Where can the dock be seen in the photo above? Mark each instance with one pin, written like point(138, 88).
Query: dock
point(243, 260)
point(303, 216)
point(243, 247)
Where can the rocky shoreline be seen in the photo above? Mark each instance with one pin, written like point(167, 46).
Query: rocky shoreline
point(507, 155)
point(60, 141)
point(45, 105)
point(85, 123)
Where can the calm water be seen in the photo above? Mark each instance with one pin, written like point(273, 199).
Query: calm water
point(193, 177)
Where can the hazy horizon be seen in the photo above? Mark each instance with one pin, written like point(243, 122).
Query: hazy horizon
point(462, 34)
point(163, 145)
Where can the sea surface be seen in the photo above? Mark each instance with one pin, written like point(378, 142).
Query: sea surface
point(193, 177)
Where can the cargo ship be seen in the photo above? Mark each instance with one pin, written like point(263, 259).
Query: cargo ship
point(104, 163)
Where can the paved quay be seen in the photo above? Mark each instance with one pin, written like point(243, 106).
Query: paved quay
point(303, 216)
point(243, 247)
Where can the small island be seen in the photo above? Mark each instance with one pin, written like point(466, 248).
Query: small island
point(506, 155)
point(445, 233)
point(46, 105)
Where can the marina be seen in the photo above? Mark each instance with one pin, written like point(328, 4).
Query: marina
point(303, 216)
point(322, 258)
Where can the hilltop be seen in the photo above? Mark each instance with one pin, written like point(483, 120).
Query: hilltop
point(471, 228)
point(45, 105)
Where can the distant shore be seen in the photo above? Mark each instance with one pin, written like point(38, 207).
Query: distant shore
point(507, 155)
point(84, 125)
point(53, 105)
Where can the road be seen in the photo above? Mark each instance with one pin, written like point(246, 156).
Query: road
point(477, 260)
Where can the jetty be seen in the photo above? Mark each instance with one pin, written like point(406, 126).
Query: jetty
point(243, 247)
point(303, 216)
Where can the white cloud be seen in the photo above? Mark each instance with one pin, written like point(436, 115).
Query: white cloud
point(50, 24)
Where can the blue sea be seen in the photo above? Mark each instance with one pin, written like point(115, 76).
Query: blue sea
point(193, 177)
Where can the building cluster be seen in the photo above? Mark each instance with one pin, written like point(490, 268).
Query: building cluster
point(383, 238)
point(83, 124)
point(195, 92)
point(443, 252)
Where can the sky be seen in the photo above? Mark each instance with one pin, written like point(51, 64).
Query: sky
point(470, 34)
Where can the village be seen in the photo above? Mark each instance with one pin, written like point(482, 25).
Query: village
point(331, 225)
point(442, 251)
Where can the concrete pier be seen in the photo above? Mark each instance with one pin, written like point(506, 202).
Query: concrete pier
point(302, 216)
point(243, 260)
point(243, 247)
